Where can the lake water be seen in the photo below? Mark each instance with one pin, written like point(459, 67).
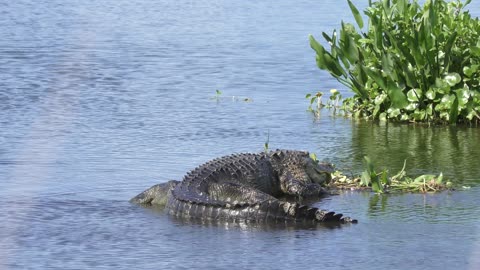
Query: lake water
point(101, 99)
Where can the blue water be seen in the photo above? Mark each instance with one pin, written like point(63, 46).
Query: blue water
point(102, 99)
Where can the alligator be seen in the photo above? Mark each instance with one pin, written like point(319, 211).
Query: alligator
point(248, 187)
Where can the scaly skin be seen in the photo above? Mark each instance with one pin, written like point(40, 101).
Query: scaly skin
point(247, 187)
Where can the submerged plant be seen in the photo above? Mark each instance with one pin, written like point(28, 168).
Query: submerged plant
point(412, 63)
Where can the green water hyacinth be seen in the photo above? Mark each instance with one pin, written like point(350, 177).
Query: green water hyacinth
point(412, 63)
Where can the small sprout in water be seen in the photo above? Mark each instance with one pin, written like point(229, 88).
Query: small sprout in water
point(265, 145)
point(218, 95)
point(317, 98)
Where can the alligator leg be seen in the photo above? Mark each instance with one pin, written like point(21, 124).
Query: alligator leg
point(234, 193)
point(244, 202)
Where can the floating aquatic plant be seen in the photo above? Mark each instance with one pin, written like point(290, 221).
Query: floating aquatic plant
point(380, 182)
point(219, 96)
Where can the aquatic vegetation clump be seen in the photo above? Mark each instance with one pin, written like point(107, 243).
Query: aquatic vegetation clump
point(412, 63)
point(381, 182)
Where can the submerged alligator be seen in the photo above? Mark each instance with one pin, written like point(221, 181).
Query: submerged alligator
point(248, 187)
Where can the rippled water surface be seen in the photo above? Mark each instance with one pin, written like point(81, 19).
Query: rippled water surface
point(102, 99)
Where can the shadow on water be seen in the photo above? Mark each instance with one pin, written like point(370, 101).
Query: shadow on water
point(448, 149)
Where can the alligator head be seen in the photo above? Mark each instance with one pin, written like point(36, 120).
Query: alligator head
point(319, 172)
point(157, 194)
point(303, 166)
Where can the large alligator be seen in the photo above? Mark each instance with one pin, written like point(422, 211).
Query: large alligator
point(248, 187)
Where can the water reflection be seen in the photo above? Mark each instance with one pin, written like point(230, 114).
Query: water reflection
point(446, 207)
point(447, 149)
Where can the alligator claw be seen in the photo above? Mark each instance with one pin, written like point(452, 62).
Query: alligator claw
point(337, 217)
point(348, 220)
point(323, 215)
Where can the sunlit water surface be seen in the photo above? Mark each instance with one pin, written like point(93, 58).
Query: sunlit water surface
point(102, 99)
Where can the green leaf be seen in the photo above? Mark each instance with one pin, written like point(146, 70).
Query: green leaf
point(424, 178)
point(430, 94)
point(365, 179)
point(387, 64)
point(429, 110)
point(410, 78)
point(397, 97)
point(382, 116)
point(384, 178)
point(447, 100)
point(356, 14)
point(380, 99)
point(414, 95)
point(469, 71)
point(475, 50)
point(325, 60)
point(412, 106)
point(463, 96)
point(376, 185)
point(315, 45)
point(375, 76)
point(439, 179)
point(327, 38)
point(393, 113)
point(454, 111)
point(333, 66)
point(349, 48)
point(368, 164)
point(448, 49)
point(453, 78)
point(419, 115)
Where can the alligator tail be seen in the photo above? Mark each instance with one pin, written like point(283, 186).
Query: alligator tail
point(267, 210)
point(304, 212)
